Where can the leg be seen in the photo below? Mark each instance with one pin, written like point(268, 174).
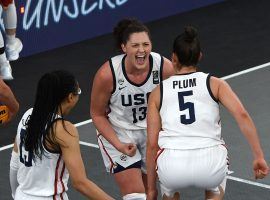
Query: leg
point(5, 69)
point(176, 196)
point(130, 181)
point(144, 178)
point(13, 44)
point(210, 195)
point(217, 193)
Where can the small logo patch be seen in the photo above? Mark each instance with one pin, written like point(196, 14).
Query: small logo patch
point(155, 77)
point(120, 88)
point(120, 81)
point(123, 157)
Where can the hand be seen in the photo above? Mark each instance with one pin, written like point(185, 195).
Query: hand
point(260, 168)
point(128, 149)
point(152, 194)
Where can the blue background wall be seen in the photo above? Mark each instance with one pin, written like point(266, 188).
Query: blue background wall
point(47, 24)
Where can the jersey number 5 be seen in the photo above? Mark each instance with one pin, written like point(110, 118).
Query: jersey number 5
point(186, 105)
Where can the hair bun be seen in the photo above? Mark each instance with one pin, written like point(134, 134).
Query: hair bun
point(190, 33)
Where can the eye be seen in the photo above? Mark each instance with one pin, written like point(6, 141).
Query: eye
point(135, 45)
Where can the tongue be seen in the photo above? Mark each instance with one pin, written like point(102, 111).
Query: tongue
point(140, 61)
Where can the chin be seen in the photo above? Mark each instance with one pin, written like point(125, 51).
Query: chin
point(141, 66)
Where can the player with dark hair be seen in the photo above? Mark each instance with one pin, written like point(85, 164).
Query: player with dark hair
point(119, 105)
point(184, 129)
point(46, 149)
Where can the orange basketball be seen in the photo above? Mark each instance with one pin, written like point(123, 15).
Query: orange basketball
point(3, 114)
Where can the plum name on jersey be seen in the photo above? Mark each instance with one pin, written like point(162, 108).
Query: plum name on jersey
point(134, 99)
point(184, 83)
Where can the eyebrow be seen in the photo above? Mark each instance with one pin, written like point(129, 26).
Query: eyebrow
point(140, 42)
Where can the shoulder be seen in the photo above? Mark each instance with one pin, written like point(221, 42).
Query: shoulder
point(65, 132)
point(104, 72)
point(168, 69)
point(217, 84)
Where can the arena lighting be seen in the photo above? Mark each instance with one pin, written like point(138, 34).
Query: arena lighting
point(22, 10)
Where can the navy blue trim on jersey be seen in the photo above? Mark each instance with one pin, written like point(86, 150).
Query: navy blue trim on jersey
point(120, 168)
point(149, 73)
point(185, 73)
point(113, 74)
point(209, 88)
point(161, 68)
point(161, 94)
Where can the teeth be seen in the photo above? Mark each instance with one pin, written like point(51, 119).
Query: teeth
point(141, 56)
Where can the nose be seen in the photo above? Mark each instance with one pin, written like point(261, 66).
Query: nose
point(141, 48)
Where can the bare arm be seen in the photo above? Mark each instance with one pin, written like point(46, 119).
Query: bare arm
point(168, 69)
point(13, 170)
point(153, 128)
point(7, 98)
point(69, 144)
point(100, 96)
point(223, 92)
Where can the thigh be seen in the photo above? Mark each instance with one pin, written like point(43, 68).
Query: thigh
point(211, 168)
point(130, 181)
point(113, 158)
point(140, 138)
point(174, 171)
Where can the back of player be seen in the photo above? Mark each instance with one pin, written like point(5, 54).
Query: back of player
point(189, 113)
point(49, 176)
point(193, 153)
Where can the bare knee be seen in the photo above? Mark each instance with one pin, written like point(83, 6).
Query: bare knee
point(176, 196)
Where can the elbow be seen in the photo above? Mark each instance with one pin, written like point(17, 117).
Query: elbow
point(79, 185)
point(242, 114)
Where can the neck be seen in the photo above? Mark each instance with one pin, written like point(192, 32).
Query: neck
point(186, 69)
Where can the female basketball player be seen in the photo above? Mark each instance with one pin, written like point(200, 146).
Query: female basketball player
point(119, 105)
point(46, 149)
point(183, 123)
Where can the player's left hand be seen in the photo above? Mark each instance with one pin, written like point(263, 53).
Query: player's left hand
point(260, 168)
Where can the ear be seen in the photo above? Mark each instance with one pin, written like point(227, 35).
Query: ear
point(200, 56)
point(124, 49)
point(70, 97)
point(175, 60)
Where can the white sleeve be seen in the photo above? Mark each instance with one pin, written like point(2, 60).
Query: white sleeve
point(14, 166)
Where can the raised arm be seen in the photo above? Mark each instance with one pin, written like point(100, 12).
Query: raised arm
point(223, 92)
point(69, 144)
point(7, 98)
point(153, 128)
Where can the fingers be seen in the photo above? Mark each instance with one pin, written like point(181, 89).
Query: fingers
point(130, 149)
point(259, 174)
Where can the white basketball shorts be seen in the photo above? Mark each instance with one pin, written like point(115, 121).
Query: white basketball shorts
point(112, 157)
point(19, 195)
point(203, 168)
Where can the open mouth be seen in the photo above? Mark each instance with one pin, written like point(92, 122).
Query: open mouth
point(140, 59)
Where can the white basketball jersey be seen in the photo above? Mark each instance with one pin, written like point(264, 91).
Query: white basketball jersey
point(189, 113)
point(46, 177)
point(128, 103)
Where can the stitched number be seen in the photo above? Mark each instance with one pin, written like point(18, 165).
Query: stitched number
point(25, 156)
point(142, 116)
point(186, 105)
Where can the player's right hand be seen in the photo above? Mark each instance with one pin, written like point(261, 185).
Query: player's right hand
point(260, 168)
point(128, 149)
